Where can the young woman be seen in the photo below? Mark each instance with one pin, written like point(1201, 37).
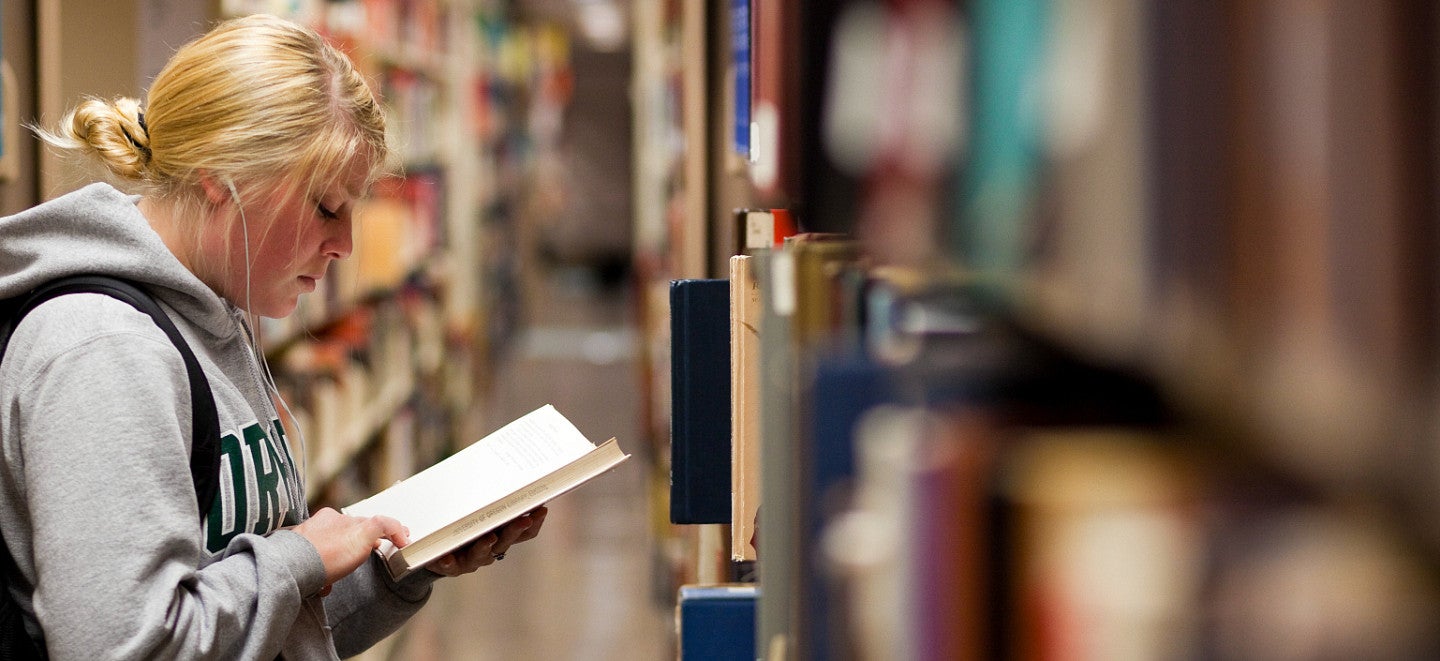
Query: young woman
point(232, 191)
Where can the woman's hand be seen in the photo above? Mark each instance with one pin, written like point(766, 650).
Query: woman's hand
point(345, 542)
point(488, 548)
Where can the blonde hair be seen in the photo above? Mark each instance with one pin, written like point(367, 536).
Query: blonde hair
point(257, 100)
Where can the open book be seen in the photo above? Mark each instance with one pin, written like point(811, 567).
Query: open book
point(514, 470)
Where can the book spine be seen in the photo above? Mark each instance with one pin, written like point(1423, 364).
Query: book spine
point(740, 59)
point(700, 404)
point(744, 404)
point(717, 622)
point(777, 515)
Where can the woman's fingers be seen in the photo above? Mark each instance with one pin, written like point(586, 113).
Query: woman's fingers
point(537, 519)
point(492, 547)
point(467, 558)
point(513, 533)
point(344, 542)
point(391, 529)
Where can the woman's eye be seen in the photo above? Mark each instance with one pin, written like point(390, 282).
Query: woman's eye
point(327, 213)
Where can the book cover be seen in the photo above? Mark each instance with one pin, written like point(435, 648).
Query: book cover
point(514, 470)
point(717, 621)
point(700, 401)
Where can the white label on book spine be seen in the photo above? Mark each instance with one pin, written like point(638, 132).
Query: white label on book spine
point(759, 230)
point(783, 284)
point(765, 146)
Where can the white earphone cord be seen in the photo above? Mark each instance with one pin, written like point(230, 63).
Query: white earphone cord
point(268, 382)
point(267, 378)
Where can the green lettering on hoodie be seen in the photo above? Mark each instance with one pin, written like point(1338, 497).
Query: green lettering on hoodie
point(256, 496)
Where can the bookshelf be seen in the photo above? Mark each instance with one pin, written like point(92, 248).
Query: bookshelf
point(669, 71)
point(1136, 351)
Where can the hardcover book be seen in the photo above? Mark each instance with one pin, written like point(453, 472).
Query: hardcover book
point(700, 401)
point(514, 470)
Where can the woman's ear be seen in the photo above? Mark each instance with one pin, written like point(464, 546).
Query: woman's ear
point(216, 192)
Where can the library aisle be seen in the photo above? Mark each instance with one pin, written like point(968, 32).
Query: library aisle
point(584, 588)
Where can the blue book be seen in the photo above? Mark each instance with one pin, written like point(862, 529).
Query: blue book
point(717, 622)
point(845, 388)
point(700, 401)
point(740, 54)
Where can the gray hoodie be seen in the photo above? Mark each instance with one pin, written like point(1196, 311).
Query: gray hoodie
point(96, 501)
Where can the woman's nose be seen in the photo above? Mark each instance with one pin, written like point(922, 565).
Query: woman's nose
point(342, 243)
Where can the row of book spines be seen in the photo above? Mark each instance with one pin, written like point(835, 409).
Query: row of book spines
point(968, 538)
point(403, 46)
point(817, 296)
point(964, 538)
point(706, 332)
point(698, 400)
point(714, 379)
point(400, 26)
point(706, 400)
point(351, 382)
point(1110, 462)
point(416, 433)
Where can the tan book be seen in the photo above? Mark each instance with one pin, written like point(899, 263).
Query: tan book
point(744, 406)
point(514, 470)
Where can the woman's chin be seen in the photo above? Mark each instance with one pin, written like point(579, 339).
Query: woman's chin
point(277, 309)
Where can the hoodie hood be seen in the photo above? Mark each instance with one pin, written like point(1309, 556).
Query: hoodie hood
point(99, 230)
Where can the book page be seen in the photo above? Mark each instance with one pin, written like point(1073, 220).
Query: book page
point(508, 459)
point(528, 497)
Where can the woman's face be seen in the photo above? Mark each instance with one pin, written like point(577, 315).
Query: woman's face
point(292, 240)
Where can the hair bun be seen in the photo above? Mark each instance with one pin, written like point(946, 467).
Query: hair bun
point(114, 131)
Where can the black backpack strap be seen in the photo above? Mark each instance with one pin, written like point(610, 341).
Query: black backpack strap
point(15, 643)
point(205, 420)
